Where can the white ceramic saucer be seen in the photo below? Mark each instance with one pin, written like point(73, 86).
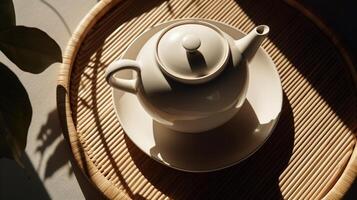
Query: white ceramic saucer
point(215, 149)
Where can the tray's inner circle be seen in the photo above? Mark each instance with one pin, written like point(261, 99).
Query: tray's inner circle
point(303, 158)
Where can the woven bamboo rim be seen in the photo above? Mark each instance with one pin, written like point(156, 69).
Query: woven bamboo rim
point(63, 100)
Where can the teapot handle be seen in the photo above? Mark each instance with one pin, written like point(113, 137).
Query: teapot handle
point(128, 85)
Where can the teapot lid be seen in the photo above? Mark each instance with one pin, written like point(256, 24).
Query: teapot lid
point(192, 51)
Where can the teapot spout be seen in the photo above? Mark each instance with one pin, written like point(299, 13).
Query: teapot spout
point(249, 44)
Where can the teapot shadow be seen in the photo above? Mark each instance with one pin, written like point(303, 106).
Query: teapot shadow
point(209, 148)
point(256, 177)
point(197, 62)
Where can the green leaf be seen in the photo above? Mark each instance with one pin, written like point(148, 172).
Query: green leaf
point(31, 49)
point(15, 114)
point(7, 14)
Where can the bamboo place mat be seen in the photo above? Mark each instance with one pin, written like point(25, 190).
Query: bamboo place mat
point(310, 155)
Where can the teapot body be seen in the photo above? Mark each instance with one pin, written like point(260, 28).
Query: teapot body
point(190, 108)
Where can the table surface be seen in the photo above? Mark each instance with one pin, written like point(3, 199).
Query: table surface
point(48, 171)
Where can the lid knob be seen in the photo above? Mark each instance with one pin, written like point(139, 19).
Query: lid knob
point(191, 42)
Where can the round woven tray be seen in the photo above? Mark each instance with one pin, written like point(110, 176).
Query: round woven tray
point(310, 155)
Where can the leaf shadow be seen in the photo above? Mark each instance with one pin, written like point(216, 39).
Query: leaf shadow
point(21, 183)
point(7, 14)
point(15, 114)
point(31, 49)
point(49, 135)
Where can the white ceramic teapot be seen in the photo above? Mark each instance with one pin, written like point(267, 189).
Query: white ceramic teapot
point(190, 76)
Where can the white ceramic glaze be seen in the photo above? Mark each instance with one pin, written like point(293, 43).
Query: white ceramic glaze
point(215, 149)
point(192, 51)
point(190, 76)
